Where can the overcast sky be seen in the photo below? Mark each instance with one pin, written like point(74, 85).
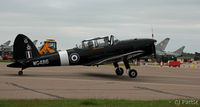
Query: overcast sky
point(71, 21)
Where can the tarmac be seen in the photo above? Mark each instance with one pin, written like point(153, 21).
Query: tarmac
point(80, 82)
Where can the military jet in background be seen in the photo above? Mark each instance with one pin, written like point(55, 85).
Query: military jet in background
point(6, 43)
point(5, 47)
point(93, 52)
point(160, 48)
point(176, 53)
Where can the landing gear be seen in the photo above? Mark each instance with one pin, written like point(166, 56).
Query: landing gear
point(132, 73)
point(20, 73)
point(119, 71)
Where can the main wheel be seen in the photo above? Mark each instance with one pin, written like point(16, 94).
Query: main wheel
point(119, 71)
point(132, 73)
point(20, 73)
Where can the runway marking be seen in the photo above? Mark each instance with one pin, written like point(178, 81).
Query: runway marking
point(164, 92)
point(29, 89)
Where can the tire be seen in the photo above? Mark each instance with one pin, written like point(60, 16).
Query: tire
point(119, 71)
point(20, 73)
point(132, 73)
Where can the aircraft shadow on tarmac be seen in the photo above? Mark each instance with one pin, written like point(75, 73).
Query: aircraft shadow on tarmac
point(86, 75)
point(108, 76)
point(146, 79)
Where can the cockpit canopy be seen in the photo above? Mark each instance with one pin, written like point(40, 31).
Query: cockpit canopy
point(99, 42)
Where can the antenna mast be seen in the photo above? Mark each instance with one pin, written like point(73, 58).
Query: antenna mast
point(152, 31)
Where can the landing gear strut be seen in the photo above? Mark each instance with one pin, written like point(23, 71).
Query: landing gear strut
point(132, 72)
point(119, 71)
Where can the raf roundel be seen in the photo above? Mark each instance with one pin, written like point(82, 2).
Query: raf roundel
point(74, 57)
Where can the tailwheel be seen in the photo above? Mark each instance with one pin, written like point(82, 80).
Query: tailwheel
point(20, 73)
point(119, 71)
point(132, 73)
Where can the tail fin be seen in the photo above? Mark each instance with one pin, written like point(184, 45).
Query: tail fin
point(180, 50)
point(24, 48)
point(163, 44)
point(7, 43)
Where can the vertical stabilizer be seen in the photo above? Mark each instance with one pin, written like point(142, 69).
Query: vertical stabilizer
point(24, 48)
point(179, 51)
point(7, 43)
point(163, 44)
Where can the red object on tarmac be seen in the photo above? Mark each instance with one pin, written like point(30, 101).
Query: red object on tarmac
point(174, 63)
point(5, 57)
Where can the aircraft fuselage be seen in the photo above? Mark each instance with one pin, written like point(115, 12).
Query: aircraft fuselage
point(89, 56)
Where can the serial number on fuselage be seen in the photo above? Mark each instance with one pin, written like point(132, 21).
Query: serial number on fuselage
point(41, 62)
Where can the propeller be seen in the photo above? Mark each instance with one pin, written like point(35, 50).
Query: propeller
point(154, 51)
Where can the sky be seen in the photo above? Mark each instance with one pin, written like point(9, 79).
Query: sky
point(71, 21)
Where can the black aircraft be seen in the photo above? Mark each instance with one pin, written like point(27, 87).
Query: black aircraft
point(93, 52)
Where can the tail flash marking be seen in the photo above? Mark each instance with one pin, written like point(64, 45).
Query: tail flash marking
point(29, 54)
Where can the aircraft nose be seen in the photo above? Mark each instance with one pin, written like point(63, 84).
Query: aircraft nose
point(153, 40)
point(150, 41)
point(150, 46)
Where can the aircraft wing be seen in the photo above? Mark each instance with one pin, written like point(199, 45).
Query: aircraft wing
point(116, 58)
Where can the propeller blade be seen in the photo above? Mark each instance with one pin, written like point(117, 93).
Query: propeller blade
point(154, 51)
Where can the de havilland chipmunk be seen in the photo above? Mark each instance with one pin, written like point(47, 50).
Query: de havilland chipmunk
point(93, 52)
